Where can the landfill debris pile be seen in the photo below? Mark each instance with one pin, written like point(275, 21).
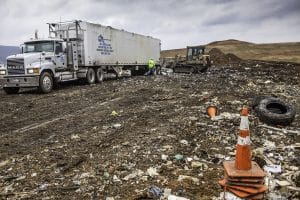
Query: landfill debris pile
point(147, 137)
point(218, 57)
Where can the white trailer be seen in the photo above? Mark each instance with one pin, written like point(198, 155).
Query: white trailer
point(77, 50)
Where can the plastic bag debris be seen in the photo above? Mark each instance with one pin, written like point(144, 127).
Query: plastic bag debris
point(273, 168)
point(173, 197)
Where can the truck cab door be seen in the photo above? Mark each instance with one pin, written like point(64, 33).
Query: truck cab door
point(59, 57)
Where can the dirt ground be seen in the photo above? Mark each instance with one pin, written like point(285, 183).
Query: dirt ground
point(68, 145)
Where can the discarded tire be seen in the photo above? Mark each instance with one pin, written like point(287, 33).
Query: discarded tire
point(256, 101)
point(274, 111)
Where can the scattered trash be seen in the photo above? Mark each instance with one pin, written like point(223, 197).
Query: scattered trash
point(179, 157)
point(228, 196)
point(114, 113)
point(155, 192)
point(116, 179)
point(184, 142)
point(3, 163)
point(164, 157)
point(42, 187)
point(273, 168)
point(33, 174)
point(197, 164)
point(167, 192)
point(116, 125)
point(133, 175)
point(74, 137)
point(184, 177)
point(152, 171)
point(282, 183)
point(173, 197)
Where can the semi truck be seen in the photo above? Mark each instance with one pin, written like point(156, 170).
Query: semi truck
point(77, 50)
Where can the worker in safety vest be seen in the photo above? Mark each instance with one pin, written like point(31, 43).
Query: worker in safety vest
point(151, 67)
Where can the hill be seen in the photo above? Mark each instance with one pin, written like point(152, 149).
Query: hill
point(289, 52)
point(6, 51)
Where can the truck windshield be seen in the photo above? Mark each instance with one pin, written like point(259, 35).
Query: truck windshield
point(46, 46)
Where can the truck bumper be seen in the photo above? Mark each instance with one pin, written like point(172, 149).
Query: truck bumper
point(16, 81)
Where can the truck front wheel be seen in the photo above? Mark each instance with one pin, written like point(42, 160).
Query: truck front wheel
point(11, 90)
point(46, 82)
point(90, 76)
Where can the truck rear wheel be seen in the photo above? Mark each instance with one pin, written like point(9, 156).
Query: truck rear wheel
point(46, 83)
point(11, 90)
point(90, 76)
point(99, 75)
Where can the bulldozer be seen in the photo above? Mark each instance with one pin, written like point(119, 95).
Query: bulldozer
point(195, 61)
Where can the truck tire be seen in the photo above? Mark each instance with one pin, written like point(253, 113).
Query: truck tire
point(11, 90)
point(275, 112)
point(99, 75)
point(90, 76)
point(46, 83)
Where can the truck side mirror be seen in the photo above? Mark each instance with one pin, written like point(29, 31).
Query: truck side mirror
point(64, 47)
point(22, 48)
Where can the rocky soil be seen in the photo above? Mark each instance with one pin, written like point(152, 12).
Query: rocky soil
point(69, 144)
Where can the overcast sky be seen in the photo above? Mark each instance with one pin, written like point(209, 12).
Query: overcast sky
point(177, 23)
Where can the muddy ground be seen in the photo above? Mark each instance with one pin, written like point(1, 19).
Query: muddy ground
point(68, 145)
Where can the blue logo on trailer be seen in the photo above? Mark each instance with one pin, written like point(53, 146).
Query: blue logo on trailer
point(104, 46)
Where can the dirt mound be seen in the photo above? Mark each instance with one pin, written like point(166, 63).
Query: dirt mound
point(229, 42)
point(233, 58)
point(218, 57)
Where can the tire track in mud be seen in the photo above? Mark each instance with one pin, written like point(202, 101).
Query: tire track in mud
point(45, 123)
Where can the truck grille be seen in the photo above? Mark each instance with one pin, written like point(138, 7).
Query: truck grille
point(15, 66)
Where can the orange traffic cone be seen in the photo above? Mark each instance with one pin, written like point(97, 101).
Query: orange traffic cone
point(243, 177)
point(243, 151)
point(212, 111)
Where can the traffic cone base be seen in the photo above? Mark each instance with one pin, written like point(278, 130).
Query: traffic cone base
point(255, 170)
point(250, 181)
point(250, 190)
point(246, 181)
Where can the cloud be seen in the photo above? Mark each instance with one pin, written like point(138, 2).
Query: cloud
point(176, 22)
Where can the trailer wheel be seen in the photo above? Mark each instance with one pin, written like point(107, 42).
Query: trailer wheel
point(46, 83)
point(90, 76)
point(11, 90)
point(99, 75)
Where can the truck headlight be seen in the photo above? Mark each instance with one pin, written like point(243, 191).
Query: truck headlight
point(33, 71)
point(2, 72)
